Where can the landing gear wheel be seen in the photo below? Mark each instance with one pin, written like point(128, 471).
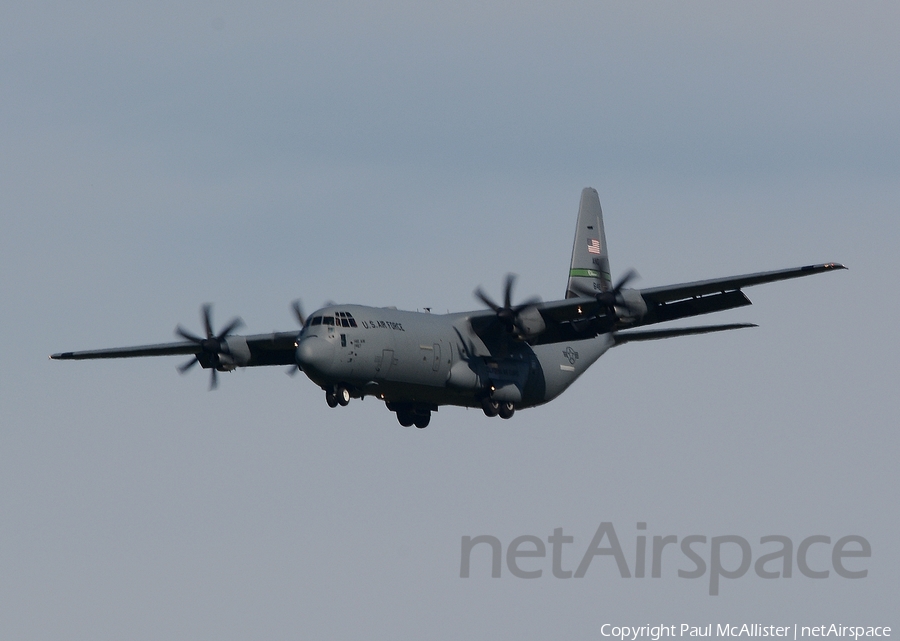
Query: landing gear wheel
point(490, 407)
point(330, 398)
point(422, 420)
point(406, 419)
point(506, 410)
point(343, 395)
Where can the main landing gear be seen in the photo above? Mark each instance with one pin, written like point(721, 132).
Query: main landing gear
point(408, 418)
point(409, 414)
point(491, 408)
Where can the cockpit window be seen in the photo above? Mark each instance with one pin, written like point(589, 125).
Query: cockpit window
point(340, 319)
point(344, 319)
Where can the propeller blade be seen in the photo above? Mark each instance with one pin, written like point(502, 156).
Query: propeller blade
point(298, 312)
point(180, 331)
point(507, 292)
point(207, 320)
point(479, 293)
point(185, 367)
point(213, 379)
point(233, 325)
point(629, 275)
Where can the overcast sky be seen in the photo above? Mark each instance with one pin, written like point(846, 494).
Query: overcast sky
point(154, 157)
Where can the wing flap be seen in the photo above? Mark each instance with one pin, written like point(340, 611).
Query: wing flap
point(695, 306)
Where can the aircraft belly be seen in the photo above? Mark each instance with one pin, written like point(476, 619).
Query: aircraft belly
point(562, 363)
point(404, 392)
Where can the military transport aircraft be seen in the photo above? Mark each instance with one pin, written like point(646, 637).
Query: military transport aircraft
point(499, 359)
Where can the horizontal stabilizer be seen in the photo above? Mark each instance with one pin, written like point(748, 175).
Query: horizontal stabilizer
point(657, 334)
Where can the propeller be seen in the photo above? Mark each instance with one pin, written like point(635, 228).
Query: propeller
point(511, 317)
point(212, 348)
point(612, 298)
point(298, 312)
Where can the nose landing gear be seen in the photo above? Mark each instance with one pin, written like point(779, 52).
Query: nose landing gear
point(340, 395)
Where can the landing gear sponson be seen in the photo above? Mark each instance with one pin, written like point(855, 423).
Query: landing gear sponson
point(419, 414)
point(408, 414)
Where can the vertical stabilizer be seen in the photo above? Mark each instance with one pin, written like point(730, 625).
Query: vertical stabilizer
point(589, 271)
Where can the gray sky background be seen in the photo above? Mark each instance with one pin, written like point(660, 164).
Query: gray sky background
point(154, 157)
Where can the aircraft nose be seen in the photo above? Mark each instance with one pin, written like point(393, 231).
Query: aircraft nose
point(315, 353)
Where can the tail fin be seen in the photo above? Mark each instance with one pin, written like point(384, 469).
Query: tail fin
point(589, 271)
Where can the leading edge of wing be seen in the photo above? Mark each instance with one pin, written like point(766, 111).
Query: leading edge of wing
point(669, 293)
point(162, 349)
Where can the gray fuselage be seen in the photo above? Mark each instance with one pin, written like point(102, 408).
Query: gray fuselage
point(432, 359)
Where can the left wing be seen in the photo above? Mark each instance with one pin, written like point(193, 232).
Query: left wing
point(162, 349)
point(701, 287)
point(276, 348)
point(584, 317)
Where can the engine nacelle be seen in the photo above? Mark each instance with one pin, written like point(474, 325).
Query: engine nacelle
point(633, 305)
point(236, 353)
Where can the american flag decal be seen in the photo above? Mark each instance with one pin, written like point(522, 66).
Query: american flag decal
point(594, 246)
